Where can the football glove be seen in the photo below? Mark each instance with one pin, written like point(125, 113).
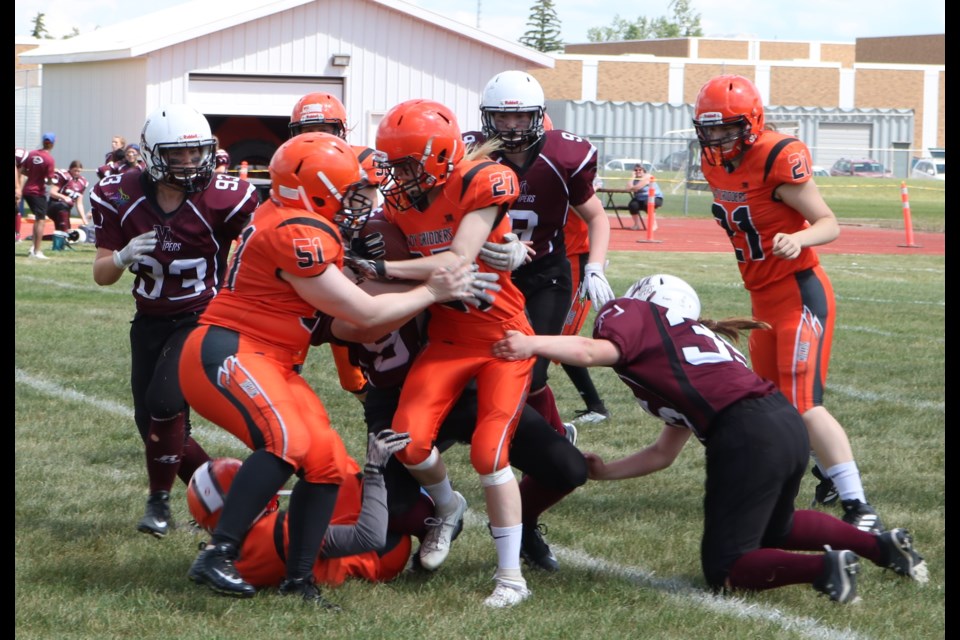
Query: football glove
point(481, 284)
point(597, 286)
point(505, 256)
point(381, 446)
point(369, 269)
point(371, 247)
point(135, 249)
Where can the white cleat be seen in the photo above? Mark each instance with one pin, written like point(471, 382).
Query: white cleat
point(436, 545)
point(507, 593)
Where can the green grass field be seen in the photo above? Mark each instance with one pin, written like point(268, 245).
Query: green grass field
point(629, 550)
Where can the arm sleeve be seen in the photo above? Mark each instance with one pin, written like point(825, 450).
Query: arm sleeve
point(369, 533)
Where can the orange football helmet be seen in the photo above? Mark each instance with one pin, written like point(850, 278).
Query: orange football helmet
point(547, 122)
point(419, 142)
point(725, 101)
point(319, 109)
point(320, 173)
point(208, 488)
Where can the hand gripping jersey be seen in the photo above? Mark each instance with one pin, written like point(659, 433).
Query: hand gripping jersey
point(71, 187)
point(743, 205)
point(559, 175)
point(471, 186)
point(183, 273)
point(679, 370)
point(254, 300)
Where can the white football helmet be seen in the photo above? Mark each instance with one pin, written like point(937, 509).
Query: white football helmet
point(513, 91)
point(667, 291)
point(207, 491)
point(178, 126)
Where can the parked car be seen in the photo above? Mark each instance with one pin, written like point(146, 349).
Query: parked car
point(860, 168)
point(820, 172)
point(930, 168)
point(627, 164)
point(674, 161)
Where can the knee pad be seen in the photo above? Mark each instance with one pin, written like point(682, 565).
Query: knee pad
point(497, 477)
point(426, 464)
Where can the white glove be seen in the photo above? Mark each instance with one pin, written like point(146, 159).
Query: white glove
point(597, 286)
point(135, 249)
point(481, 283)
point(506, 256)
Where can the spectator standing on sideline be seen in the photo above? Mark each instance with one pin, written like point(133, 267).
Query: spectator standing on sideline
point(448, 205)
point(255, 335)
point(38, 168)
point(556, 170)
point(66, 191)
point(19, 154)
point(171, 226)
point(683, 372)
point(117, 143)
point(766, 201)
point(325, 113)
point(640, 184)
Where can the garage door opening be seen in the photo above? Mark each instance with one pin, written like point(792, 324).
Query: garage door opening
point(250, 138)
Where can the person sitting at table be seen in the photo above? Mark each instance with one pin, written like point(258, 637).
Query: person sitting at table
point(640, 185)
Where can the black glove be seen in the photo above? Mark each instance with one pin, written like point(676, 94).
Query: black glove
point(381, 446)
point(371, 247)
point(369, 269)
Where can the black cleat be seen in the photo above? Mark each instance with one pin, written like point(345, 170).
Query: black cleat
point(897, 553)
point(535, 551)
point(839, 578)
point(862, 516)
point(214, 568)
point(826, 492)
point(307, 589)
point(156, 518)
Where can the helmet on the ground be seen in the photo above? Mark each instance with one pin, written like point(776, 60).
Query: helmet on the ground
point(320, 173)
point(319, 109)
point(419, 143)
point(172, 127)
point(513, 92)
point(667, 291)
point(724, 101)
point(208, 489)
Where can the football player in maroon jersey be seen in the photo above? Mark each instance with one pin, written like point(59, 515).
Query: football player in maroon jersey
point(556, 171)
point(172, 226)
point(682, 371)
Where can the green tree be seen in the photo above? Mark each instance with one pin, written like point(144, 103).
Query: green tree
point(543, 33)
point(39, 28)
point(684, 24)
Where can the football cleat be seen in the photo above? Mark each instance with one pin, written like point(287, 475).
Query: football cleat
point(591, 416)
point(862, 516)
point(570, 432)
point(839, 578)
point(897, 553)
point(307, 589)
point(156, 518)
point(535, 551)
point(826, 492)
point(436, 545)
point(214, 567)
point(507, 593)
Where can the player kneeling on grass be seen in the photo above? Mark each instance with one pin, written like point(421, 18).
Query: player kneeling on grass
point(356, 544)
point(683, 372)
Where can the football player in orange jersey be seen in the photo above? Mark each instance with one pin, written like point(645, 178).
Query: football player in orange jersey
point(767, 202)
point(325, 113)
point(241, 367)
point(448, 205)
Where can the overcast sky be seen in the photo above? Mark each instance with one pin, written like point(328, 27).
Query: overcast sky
point(824, 20)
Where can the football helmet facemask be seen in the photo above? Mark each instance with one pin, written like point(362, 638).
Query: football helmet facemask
point(320, 173)
point(418, 145)
point(667, 291)
point(725, 101)
point(319, 109)
point(174, 127)
point(513, 92)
